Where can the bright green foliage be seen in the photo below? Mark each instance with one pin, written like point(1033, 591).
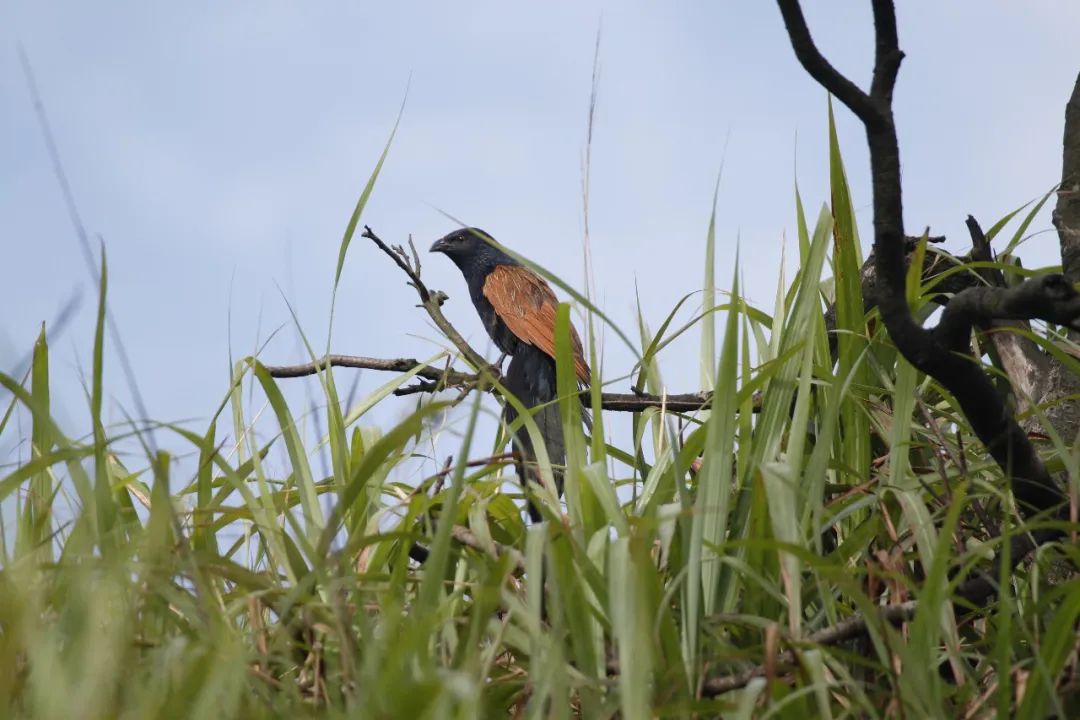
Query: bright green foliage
point(700, 548)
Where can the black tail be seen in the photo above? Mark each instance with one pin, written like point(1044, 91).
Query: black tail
point(531, 378)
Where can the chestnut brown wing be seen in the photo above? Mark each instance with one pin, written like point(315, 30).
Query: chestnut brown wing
point(527, 306)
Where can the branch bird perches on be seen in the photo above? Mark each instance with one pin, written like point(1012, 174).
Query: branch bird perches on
point(438, 379)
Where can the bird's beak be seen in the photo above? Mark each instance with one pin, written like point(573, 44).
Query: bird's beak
point(438, 246)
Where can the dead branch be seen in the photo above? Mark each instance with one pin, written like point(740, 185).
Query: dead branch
point(468, 538)
point(974, 590)
point(1021, 359)
point(439, 380)
point(939, 271)
point(848, 629)
point(1067, 212)
point(431, 301)
point(450, 378)
point(943, 352)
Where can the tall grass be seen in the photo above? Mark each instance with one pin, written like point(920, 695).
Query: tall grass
point(810, 491)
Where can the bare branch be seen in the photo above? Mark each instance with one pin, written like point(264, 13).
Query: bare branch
point(887, 54)
point(938, 269)
point(430, 301)
point(635, 402)
point(467, 537)
point(820, 69)
point(436, 380)
point(1067, 212)
point(1046, 297)
point(974, 591)
point(943, 352)
point(429, 372)
point(852, 627)
point(982, 252)
point(1024, 363)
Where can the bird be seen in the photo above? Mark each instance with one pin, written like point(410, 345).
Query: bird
point(518, 309)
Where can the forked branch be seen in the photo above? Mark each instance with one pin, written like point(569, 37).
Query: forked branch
point(942, 352)
point(430, 301)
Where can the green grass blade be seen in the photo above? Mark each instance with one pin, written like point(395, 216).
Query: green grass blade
point(104, 505)
point(708, 325)
point(41, 487)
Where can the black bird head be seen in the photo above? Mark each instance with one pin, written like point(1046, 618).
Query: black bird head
point(472, 248)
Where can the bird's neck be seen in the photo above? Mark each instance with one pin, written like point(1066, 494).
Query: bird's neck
point(476, 269)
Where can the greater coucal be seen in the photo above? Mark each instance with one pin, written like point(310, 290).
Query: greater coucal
point(518, 310)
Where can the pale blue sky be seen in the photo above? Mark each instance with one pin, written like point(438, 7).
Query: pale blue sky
point(223, 145)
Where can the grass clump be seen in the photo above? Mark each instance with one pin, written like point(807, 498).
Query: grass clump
point(695, 571)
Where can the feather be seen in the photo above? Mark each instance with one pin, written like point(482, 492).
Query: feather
point(527, 306)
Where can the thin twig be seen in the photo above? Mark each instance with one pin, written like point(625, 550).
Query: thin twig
point(466, 537)
point(431, 301)
point(848, 629)
point(402, 365)
point(974, 590)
